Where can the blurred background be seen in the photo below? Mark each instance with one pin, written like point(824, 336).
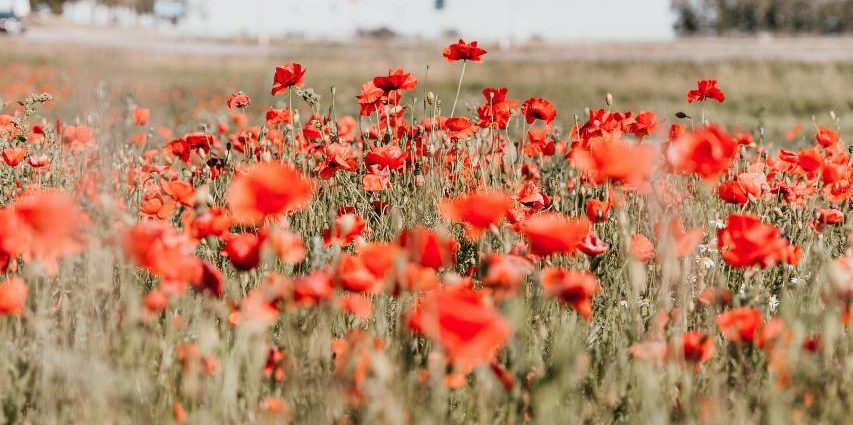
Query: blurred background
point(783, 63)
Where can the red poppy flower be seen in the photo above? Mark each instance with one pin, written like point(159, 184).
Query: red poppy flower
point(428, 248)
point(396, 80)
point(697, 346)
point(707, 90)
point(597, 210)
point(266, 190)
point(506, 271)
point(14, 156)
point(576, 288)
point(826, 137)
point(497, 109)
point(707, 152)
point(244, 250)
point(746, 241)
point(741, 324)
point(468, 329)
point(238, 100)
point(478, 211)
point(391, 156)
point(552, 233)
point(460, 128)
point(13, 296)
point(348, 226)
point(614, 160)
point(731, 192)
point(287, 76)
point(537, 108)
point(464, 51)
point(593, 246)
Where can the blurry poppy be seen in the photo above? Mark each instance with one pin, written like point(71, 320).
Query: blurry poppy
point(470, 330)
point(740, 324)
point(266, 190)
point(576, 288)
point(552, 233)
point(13, 296)
point(477, 211)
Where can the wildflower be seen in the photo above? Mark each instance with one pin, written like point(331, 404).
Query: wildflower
point(140, 116)
point(477, 211)
point(642, 249)
point(244, 250)
point(537, 108)
point(697, 347)
point(496, 110)
point(396, 80)
point(469, 330)
point(287, 76)
point(42, 225)
point(14, 156)
point(238, 100)
point(13, 295)
point(552, 233)
point(740, 324)
point(614, 160)
point(575, 288)
point(746, 241)
point(266, 190)
point(707, 90)
point(464, 51)
point(707, 152)
point(593, 246)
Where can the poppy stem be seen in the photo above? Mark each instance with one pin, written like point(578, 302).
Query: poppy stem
point(458, 88)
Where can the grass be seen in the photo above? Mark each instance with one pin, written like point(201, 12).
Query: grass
point(86, 349)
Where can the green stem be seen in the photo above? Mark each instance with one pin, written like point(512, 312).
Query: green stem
point(458, 88)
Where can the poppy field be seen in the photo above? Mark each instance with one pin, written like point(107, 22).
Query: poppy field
point(400, 254)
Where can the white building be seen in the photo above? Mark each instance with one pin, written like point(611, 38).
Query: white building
point(487, 20)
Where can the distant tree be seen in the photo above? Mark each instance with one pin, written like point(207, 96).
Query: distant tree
point(55, 6)
point(752, 16)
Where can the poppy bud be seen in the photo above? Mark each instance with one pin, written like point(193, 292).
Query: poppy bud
point(609, 99)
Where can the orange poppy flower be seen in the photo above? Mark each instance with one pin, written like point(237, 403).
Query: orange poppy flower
point(642, 249)
point(552, 233)
point(266, 190)
point(13, 296)
point(576, 288)
point(477, 211)
point(43, 225)
point(469, 330)
point(140, 116)
point(287, 76)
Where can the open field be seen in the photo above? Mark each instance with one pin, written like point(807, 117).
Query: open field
point(778, 83)
point(189, 234)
